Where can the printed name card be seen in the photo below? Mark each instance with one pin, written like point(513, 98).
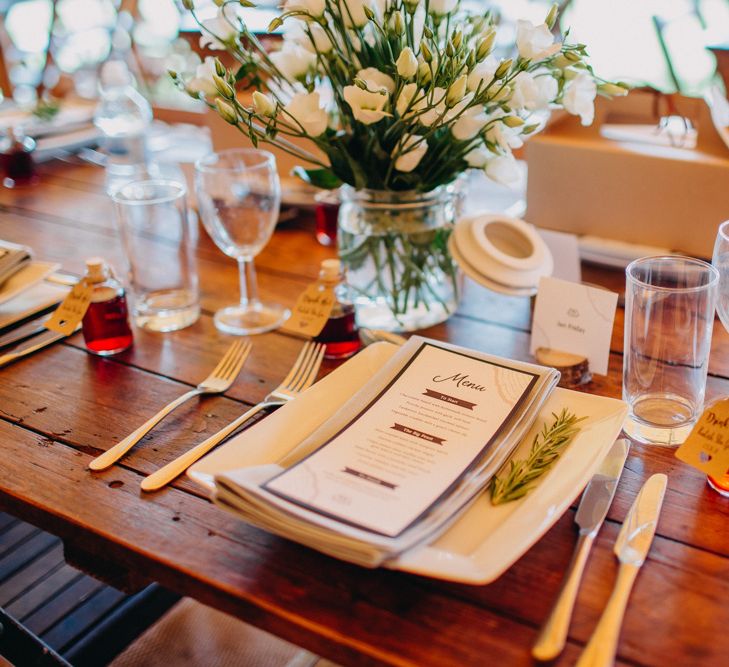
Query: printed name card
point(707, 447)
point(389, 465)
point(574, 318)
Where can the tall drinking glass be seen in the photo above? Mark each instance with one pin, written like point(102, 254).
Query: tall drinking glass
point(721, 263)
point(669, 314)
point(239, 196)
point(159, 240)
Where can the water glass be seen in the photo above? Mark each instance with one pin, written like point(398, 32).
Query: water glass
point(669, 315)
point(159, 240)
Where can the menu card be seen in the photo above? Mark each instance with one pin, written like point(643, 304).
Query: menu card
point(405, 450)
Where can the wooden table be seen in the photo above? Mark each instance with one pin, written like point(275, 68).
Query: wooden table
point(61, 407)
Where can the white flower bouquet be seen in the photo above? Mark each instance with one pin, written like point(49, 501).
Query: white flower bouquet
point(399, 96)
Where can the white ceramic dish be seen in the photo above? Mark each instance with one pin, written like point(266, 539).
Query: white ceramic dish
point(486, 540)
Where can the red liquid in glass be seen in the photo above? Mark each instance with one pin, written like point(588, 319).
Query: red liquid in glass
point(721, 484)
point(340, 336)
point(326, 215)
point(106, 327)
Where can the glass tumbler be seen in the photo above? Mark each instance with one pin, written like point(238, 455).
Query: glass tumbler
point(159, 240)
point(669, 315)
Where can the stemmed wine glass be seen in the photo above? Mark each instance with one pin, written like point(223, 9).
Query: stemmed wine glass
point(239, 195)
point(720, 261)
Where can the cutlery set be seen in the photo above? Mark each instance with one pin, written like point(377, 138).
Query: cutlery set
point(300, 377)
point(631, 548)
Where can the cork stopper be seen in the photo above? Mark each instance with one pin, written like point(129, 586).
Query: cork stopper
point(96, 271)
point(331, 270)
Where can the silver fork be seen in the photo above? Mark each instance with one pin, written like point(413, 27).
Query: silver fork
point(300, 377)
point(216, 383)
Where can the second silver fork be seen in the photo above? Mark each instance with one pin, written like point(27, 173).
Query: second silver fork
point(300, 377)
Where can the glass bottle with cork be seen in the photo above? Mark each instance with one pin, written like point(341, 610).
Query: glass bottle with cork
point(339, 335)
point(105, 324)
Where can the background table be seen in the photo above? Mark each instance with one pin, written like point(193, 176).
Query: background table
point(61, 407)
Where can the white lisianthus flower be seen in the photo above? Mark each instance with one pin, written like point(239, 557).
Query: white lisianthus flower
point(263, 104)
point(535, 42)
point(407, 63)
point(411, 150)
point(456, 110)
point(504, 136)
point(405, 98)
point(203, 82)
point(534, 91)
point(293, 61)
point(579, 97)
point(318, 41)
point(366, 107)
point(478, 157)
point(503, 169)
point(220, 30)
point(442, 7)
point(435, 99)
point(483, 73)
point(376, 80)
point(314, 8)
point(471, 122)
point(353, 12)
point(305, 110)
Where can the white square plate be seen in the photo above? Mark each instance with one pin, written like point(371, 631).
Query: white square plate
point(487, 539)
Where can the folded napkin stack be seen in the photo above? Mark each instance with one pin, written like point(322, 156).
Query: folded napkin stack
point(246, 493)
point(13, 258)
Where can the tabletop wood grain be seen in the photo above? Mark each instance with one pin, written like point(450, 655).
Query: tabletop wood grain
point(61, 407)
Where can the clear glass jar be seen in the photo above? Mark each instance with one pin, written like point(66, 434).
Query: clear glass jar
point(394, 246)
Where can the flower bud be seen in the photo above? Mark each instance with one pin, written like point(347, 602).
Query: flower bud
point(457, 39)
point(449, 50)
point(528, 129)
point(427, 32)
point(572, 56)
point(407, 63)
point(173, 74)
point(219, 3)
point(471, 59)
point(503, 69)
point(227, 111)
point(275, 24)
point(612, 89)
point(219, 68)
point(223, 87)
point(360, 83)
point(246, 3)
point(552, 16)
point(424, 73)
point(484, 48)
point(411, 6)
point(426, 53)
point(398, 23)
point(188, 4)
point(456, 91)
point(512, 121)
point(263, 105)
point(502, 94)
point(368, 12)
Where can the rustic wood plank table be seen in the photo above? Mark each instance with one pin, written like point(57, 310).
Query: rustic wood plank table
point(61, 407)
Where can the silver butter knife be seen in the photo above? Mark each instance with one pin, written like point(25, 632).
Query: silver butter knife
point(631, 548)
point(33, 345)
point(27, 330)
point(593, 508)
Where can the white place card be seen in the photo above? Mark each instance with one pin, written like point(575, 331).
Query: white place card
point(393, 461)
point(565, 253)
point(575, 318)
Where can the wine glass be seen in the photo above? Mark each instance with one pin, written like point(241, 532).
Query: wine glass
point(239, 196)
point(720, 261)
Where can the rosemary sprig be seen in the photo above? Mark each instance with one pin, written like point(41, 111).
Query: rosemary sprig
point(517, 478)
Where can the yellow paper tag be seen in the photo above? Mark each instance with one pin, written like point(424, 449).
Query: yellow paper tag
point(311, 311)
point(67, 316)
point(707, 447)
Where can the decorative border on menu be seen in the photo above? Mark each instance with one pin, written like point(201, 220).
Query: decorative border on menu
point(527, 390)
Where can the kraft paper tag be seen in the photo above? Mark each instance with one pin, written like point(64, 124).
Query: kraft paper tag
point(311, 311)
point(707, 447)
point(67, 316)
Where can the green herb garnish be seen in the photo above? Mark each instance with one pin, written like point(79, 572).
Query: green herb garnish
point(517, 478)
point(46, 110)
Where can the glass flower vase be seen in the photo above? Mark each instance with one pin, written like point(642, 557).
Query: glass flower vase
point(394, 246)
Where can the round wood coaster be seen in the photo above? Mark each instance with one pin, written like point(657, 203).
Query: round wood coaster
point(574, 368)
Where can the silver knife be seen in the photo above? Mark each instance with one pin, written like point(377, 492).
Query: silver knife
point(591, 513)
point(33, 345)
point(631, 548)
point(32, 328)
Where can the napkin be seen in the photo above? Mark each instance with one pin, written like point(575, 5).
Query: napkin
point(241, 492)
point(32, 301)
